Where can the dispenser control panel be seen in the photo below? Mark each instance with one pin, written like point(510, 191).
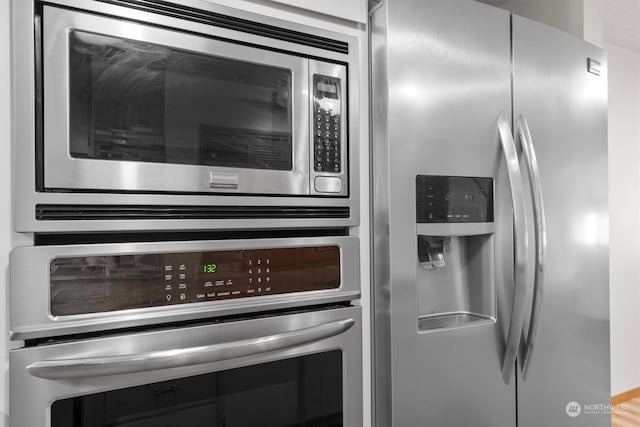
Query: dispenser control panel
point(94, 284)
point(453, 199)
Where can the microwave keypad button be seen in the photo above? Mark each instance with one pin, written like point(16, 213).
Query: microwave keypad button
point(328, 184)
point(327, 153)
point(327, 150)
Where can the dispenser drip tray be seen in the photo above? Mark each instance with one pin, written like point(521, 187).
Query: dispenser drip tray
point(452, 320)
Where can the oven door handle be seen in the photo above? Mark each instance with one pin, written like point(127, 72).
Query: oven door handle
point(176, 358)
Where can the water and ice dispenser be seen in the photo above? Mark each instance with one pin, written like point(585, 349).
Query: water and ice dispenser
point(455, 251)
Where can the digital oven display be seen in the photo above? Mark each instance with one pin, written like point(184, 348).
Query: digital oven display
point(93, 284)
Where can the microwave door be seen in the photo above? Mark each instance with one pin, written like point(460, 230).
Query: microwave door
point(133, 107)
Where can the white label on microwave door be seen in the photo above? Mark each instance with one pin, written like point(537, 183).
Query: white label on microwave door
point(223, 180)
point(328, 184)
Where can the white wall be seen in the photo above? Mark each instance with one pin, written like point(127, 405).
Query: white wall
point(566, 15)
point(582, 18)
point(624, 210)
point(593, 11)
point(5, 211)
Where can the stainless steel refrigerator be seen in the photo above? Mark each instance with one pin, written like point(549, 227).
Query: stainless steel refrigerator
point(490, 258)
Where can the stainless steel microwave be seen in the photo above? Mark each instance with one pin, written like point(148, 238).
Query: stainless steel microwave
point(181, 112)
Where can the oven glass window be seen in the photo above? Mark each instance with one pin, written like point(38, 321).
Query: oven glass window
point(303, 391)
point(143, 102)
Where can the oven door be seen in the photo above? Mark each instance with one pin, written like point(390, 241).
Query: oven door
point(299, 369)
point(136, 107)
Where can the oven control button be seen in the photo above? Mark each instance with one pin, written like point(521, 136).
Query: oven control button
point(328, 184)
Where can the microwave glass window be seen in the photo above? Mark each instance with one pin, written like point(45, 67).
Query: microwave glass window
point(143, 102)
point(303, 391)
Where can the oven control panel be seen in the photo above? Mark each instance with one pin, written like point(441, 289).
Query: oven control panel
point(94, 284)
point(327, 122)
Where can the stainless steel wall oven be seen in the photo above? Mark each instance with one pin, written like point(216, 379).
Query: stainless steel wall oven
point(186, 173)
point(234, 333)
point(75, 289)
point(290, 369)
point(146, 114)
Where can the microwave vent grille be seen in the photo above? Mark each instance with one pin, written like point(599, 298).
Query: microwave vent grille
point(211, 18)
point(135, 212)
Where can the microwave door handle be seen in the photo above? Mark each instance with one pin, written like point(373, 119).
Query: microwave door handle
point(521, 245)
point(166, 359)
point(540, 227)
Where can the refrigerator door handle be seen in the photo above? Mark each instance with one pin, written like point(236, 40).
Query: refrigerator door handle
point(524, 136)
point(521, 244)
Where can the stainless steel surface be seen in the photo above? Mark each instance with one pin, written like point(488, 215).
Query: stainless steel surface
point(31, 397)
point(521, 249)
point(440, 75)
point(459, 229)
point(30, 315)
point(181, 357)
point(566, 110)
point(24, 106)
point(431, 72)
point(523, 136)
point(452, 320)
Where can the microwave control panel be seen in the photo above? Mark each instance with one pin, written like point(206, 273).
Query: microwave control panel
point(327, 123)
point(453, 199)
point(95, 284)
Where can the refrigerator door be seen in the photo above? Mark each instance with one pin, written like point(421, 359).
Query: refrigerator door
point(440, 79)
point(565, 105)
